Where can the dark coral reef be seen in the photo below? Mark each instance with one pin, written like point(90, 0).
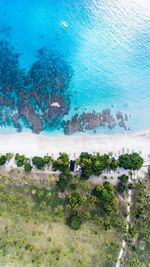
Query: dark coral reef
point(93, 120)
point(37, 98)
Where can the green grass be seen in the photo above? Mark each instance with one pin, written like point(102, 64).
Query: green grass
point(32, 235)
point(54, 244)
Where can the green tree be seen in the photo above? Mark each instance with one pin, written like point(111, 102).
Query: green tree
point(104, 192)
point(65, 178)
point(48, 159)
point(114, 164)
point(75, 200)
point(38, 162)
point(62, 163)
point(3, 160)
point(131, 161)
point(27, 167)
point(9, 156)
point(86, 173)
point(62, 182)
point(137, 161)
point(74, 222)
point(99, 163)
point(20, 160)
point(108, 186)
point(123, 179)
point(85, 162)
point(121, 188)
point(92, 164)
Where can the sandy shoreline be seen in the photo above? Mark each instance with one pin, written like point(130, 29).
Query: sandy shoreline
point(32, 144)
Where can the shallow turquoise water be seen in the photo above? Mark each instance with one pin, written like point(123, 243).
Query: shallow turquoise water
point(106, 43)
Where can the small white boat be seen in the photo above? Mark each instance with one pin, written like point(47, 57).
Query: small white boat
point(55, 104)
point(63, 24)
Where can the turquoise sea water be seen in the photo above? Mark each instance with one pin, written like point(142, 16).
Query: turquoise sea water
point(105, 43)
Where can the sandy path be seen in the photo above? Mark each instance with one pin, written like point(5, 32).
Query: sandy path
point(123, 245)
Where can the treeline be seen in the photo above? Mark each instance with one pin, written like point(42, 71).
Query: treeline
point(90, 164)
point(96, 164)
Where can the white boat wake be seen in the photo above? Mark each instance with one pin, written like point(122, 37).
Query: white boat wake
point(63, 24)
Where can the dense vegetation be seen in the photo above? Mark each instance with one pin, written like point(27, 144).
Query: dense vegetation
point(70, 200)
point(131, 161)
point(122, 185)
point(90, 164)
point(34, 220)
point(4, 158)
point(138, 238)
point(96, 164)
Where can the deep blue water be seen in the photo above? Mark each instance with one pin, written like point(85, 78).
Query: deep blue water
point(105, 43)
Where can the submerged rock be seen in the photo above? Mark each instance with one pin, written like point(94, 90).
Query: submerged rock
point(39, 96)
point(32, 118)
point(73, 126)
point(93, 120)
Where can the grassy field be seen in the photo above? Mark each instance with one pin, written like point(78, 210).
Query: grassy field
point(33, 235)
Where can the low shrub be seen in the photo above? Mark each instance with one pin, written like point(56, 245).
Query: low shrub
point(74, 222)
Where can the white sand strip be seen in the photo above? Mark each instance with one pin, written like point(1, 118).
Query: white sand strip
point(31, 144)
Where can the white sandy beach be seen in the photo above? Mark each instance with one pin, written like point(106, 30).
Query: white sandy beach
point(31, 144)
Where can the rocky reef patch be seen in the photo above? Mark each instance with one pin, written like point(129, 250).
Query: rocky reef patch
point(93, 120)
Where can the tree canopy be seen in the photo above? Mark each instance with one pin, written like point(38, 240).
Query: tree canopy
point(75, 200)
point(62, 163)
point(121, 187)
point(131, 161)
point(48, 159)
point(123, 179)
point(20, 160)
point(104, 192)
point(27, 167)
point(92, 164)
point(39, 162)
point(74, 222)
point(3, 160)
point(114, 164)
